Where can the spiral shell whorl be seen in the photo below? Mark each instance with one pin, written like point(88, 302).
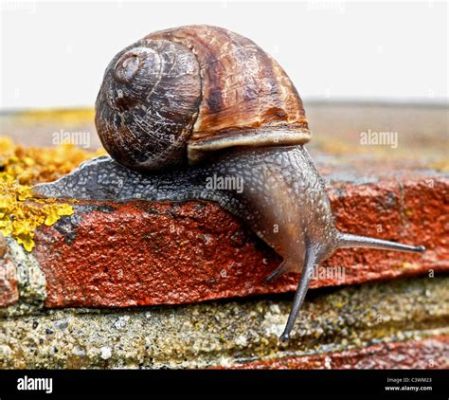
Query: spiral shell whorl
point(148, 103)
point(180, 94)
point(243, 88)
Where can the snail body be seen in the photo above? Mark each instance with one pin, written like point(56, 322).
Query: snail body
point(186, 104)
point(280, 198)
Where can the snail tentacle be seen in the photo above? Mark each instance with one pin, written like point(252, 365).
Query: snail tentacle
point(310, 261)
point(349, 240)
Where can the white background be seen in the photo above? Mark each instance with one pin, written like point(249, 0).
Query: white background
point(54, 54)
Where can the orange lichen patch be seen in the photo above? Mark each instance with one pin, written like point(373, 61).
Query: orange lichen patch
point(20, 168)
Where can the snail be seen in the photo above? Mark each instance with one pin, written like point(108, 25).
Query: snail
point(185, 104)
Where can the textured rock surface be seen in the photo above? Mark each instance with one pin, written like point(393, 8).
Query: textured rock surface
point(28, 278)
point(226, 334)
point(9, 292)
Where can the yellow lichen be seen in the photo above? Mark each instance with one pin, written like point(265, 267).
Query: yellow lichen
point(64, 117)
point(442, 165)
point(20, 168)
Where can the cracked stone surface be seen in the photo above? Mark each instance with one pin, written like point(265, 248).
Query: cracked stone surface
point(230, 333)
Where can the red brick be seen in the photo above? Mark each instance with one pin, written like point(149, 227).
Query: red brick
point(142, 253)
point(432, 353)
point(410, 211)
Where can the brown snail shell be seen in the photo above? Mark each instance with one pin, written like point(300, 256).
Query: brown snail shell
point(180, 93)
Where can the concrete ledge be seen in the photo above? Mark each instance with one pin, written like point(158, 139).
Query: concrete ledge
point(242, 334)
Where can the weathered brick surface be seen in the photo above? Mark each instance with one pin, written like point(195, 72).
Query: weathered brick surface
point(143, 253)
point(158, 253)
point(430, 353)
point(146, 253)
point(407, 210)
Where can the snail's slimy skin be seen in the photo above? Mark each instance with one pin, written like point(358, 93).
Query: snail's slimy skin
point(276, 191)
